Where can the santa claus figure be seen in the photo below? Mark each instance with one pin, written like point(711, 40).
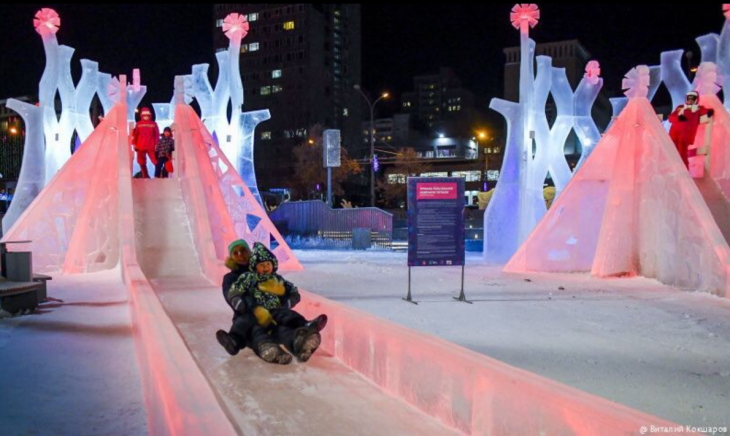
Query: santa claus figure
point(144, 139)
point(685, 119)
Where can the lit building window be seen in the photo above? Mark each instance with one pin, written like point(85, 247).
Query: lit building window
point(219, 22)
point(493, 175)
point(265, 135)
point(276, 74)
point(496, 149)
point(276, 88)
point(265, 90)
point(396, 179)
point(244, 48)
point(345, 112)
point(436, 174)
point(289, 25)
point(254, 46)
point(253, 16)
point(470, 176)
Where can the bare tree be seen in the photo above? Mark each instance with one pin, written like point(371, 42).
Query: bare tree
point(407, 163)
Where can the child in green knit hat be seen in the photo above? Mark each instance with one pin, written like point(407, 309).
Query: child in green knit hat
point(270, 298)
point(240, 334)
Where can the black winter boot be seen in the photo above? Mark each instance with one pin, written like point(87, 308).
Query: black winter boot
point(317, 323)
point(227, 342)
point(272, 353)
point(306, 342)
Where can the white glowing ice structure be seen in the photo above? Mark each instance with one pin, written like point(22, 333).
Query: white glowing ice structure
point(713, 49)
point(235, 137)
point(533, 148)
point(75, 100)
point(32, 170)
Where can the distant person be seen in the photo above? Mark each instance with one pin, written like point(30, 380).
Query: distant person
point(685, 119)
point(270, 298)
point(163, 152)
point(144, 139)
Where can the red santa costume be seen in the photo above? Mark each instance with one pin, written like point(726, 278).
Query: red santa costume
point(144, 139)
point(685, 119)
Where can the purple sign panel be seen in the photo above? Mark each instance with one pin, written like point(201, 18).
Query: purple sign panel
point(435, 221)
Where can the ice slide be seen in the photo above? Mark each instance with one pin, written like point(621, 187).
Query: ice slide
point(321, 397)
point(370, 375)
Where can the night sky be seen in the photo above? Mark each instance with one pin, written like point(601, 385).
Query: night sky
point(399, 41)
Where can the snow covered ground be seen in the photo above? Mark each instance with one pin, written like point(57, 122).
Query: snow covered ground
point(70, 368)
point(634, 341)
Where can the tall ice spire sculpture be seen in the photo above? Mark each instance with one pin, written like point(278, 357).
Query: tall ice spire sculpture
point(235, 137)
point(509, 215)
point(534, 148)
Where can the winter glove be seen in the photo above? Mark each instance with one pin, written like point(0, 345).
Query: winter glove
point(682, 118)
point(294, 298)
point(263, 316)
point(710, 113)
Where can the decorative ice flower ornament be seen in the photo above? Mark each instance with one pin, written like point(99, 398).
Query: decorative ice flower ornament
point(46, 22)
point(235, 26)
point(707, 80)
point(524, 13)
point(636, 82)
point(593, 72)
point(726, 10)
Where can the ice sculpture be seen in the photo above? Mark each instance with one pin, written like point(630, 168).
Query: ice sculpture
point(134, 94)
point(233, 210)
point(165, 112)
point(632, 210)
point(583, 124)
point(713, 48)
point(75, 101)
point(723, 50)
point(32, 170)
point(234, 137)
point(534, 149)
point(73, 223)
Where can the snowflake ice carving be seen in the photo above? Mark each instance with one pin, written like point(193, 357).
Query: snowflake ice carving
point(524, 12)
point(593, 72)
point(708, 80)
point(235, 26)
point(636, 82)
point(46, 22)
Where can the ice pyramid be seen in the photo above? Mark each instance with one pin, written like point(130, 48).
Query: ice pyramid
point(632, 209)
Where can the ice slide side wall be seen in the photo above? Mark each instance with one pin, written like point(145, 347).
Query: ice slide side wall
point(463, 389)
point(178, 398)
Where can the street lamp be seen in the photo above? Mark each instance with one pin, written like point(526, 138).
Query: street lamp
point(371, 105)
point(482, 135)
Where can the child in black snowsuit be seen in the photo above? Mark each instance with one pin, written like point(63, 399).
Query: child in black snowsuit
point(163, 152)
point(269, 298)
point(239, 255)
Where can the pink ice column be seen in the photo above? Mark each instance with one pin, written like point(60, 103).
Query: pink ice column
point(632, 209)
